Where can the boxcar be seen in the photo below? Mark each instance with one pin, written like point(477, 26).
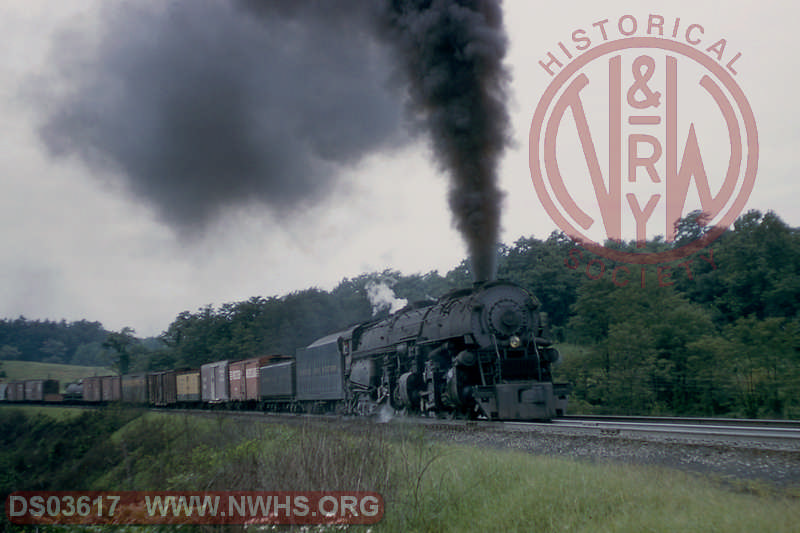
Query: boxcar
point(277, 381)
point(36, 389)
point(236, 381)
point(93, 389)
point(244, 378)
point(16, 391)
point(111, 388)
point(187, 385)
point(134, 388)
point(215, 386)
point(3, 392)
point(162, 388)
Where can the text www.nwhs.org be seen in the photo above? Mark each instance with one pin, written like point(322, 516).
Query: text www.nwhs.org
point(259, 506)
point(135, 507)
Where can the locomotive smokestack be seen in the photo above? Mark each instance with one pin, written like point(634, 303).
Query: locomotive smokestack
point(451, 53)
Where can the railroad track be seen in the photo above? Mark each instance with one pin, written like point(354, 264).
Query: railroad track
point(781, 435)
point(747, 433)
point(784, 434)
point(739, 422)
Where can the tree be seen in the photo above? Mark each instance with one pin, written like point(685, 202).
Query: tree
point(55, 351)
point(10, 353)
point(691, 227)
point(637, 339)
point(756, 270)
point(90, 354)
point(122, 344)
point(36, 340)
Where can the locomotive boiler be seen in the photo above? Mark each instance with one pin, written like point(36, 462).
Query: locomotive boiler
point(478, 352)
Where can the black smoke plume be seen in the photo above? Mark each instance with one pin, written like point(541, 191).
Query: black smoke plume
point(205, 105)
point(451, 53)
point(201, 106)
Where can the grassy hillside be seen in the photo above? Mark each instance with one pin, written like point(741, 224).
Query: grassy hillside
point(63, 373)
point(427, 486)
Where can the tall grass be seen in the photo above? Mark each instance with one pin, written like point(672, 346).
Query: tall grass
point(469, 489)
point(182, 452)
point(427, 486)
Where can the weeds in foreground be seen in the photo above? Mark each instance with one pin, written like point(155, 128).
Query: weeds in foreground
point(427, 486)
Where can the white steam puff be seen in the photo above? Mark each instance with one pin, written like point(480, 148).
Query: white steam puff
point(382, 297)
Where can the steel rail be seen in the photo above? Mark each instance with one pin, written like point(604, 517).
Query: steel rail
point(700, 421)
point(748, 433)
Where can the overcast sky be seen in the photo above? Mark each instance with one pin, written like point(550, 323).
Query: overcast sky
point(80, 242)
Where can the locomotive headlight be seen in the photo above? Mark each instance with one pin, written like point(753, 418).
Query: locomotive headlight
point(515, 341)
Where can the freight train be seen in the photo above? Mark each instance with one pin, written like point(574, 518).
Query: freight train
point(481, 352)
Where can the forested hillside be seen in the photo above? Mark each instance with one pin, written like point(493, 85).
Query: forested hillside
point(47, 341)
point(80, 343)
point(717, 333)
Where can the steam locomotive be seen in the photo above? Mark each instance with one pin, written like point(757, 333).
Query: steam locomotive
point(477, 352)
point(481, 352)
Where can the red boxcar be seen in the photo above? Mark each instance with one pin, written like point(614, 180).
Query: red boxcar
point(244, 378)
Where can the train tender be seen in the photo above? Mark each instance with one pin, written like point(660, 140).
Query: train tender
point(480, 352)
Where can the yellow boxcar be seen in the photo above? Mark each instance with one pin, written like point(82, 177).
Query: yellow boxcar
point(188, 386)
